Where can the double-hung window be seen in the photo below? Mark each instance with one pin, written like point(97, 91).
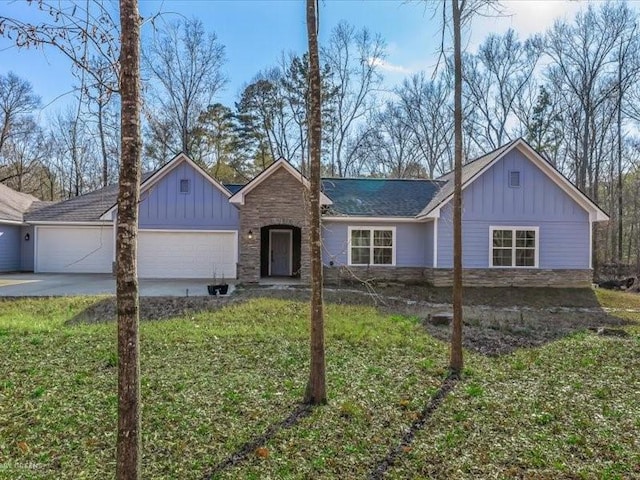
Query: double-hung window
point(514, 247)
point(372, 245)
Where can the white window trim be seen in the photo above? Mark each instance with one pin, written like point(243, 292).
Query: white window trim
point(372, 229)
point(492, 228)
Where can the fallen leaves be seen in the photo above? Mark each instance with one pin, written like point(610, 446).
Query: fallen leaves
point(262, 452)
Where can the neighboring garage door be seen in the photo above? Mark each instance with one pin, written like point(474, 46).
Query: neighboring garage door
point(194, 254)
point(74, 249)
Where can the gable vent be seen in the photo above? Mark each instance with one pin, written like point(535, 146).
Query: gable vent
point(514, 178)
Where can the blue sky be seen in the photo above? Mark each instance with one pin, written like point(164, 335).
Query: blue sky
point(255, 32)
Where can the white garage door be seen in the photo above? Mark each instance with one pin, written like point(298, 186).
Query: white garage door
point(194, 254)
point(74, 249)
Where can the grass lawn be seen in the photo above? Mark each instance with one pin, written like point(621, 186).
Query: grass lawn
point(214, 381)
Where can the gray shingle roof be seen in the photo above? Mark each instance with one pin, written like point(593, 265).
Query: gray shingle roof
point(13, 205)
point(85, 208)
point(373, 197)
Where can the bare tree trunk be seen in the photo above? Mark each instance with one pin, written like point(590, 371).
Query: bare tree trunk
point(619, 152)
point(103, 145)
point(129, 435)
point(456, 360)
point(316, 388)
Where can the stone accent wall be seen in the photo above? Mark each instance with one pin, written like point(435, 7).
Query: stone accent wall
point(441, 277)
point(334, 275)
point(279, 200)
point(504, 277)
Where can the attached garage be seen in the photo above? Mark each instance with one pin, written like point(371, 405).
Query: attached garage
point(74, 249)
point(187, 254)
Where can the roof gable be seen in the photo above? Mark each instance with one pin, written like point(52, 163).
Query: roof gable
point(281, 163)
point(155, 177)
point(476, 168)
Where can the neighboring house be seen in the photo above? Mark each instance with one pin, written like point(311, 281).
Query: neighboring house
point(523, 224)
point(16, 236)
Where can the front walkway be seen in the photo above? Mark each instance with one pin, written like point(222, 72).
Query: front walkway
point(281, 282)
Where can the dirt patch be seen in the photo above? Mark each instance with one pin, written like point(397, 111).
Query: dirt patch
point(493, 325)
point(151, 308)
point(501, 331)
point(162, 308)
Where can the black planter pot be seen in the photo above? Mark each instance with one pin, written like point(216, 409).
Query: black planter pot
point(221, 289)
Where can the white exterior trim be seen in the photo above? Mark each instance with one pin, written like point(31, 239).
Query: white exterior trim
point(514, 228)
point(435, 243)
point(375, 219)
point(372, 228)
point(160, 174)
point(238, 197)
point(72, 224)
point(282, 230)
point(183, 230)
point(12, 222)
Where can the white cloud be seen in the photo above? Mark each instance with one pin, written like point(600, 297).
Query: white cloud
point(390, 67)
point(526, 17)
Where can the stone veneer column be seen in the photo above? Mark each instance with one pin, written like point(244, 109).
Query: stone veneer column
point(279, 200)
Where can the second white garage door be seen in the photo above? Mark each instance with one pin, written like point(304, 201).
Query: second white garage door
point(194, 254)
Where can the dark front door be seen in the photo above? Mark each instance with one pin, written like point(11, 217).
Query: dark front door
point(280, 251)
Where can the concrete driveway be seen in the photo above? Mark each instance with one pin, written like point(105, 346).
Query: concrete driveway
point(65, 284)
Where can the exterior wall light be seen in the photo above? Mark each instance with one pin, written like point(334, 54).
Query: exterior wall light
point(250, 235)
point(27, 237)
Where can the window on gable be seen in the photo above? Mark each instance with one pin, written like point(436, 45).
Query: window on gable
point(184, 185)
point(514, 178)
point(371, 246)
point(514, 247)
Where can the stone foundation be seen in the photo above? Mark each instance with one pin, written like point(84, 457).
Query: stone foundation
point(503, 277)
point(478, 277)
point(334, 275)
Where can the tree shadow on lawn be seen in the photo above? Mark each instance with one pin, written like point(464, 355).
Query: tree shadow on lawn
point(407, 439)
point(253, 445)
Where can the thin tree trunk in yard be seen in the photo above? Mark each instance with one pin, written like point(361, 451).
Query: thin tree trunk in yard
point(103, 146)
point(129, 435)
point(456, 360)
point(316, 388)
point(619, 135)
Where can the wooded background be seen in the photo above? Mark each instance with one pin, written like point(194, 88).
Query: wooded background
point(572, 93)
